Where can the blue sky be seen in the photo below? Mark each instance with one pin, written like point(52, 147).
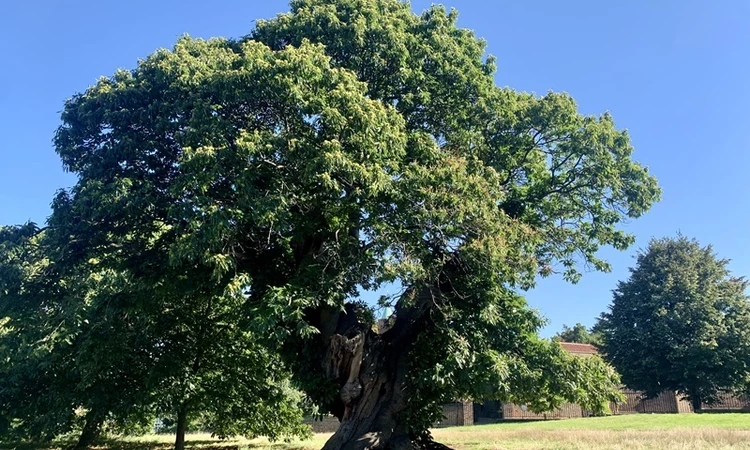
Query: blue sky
point(674, 73)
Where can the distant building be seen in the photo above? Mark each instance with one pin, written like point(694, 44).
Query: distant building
point(468, 413)
point(635, 401)
point(579, 349)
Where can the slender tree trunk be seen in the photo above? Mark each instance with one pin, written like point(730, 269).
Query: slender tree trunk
point(182, 412)
point(371, 370)
point(91, 429)
point(182, 417)
point(697, 401)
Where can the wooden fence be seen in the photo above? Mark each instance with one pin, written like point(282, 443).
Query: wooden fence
point(729, 402)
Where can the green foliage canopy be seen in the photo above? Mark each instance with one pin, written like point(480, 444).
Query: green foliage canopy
point(578, 333)
point(343, 146)
point(681, 322)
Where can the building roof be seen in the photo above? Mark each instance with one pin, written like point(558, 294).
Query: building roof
point(579, 349)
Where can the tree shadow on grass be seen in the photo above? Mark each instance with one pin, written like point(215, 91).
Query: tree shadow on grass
point(117, 444)
point(23, 446)
point(277, 446)
point(196, 445)
point(114, 444)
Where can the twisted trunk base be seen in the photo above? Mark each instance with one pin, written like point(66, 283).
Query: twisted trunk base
point(372, 394)
point(371, 370)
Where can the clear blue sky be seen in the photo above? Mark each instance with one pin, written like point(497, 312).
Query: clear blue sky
point(675, 73)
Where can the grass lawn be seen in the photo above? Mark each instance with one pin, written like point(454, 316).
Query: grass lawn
point(638, 432)
point(642, 431)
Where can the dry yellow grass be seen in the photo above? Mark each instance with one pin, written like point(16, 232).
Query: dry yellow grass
point(514, 439)
point(533, 439)
point(634, 432)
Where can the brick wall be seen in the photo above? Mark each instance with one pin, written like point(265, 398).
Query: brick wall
point(670, 402)
point(457, 414)
point(635, 402)
point(683, 406)
point(568, 410)
point(327, 424)
point(730, 402)
point(468, 413)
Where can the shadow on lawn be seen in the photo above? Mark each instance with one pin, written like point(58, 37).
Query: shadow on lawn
point(144, 443)
point(23, 446)
point(113, 444)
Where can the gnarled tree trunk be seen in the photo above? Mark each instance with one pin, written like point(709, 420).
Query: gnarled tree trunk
point(372, 377)
point(371, 370)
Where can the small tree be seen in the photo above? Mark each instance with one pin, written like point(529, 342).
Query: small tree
point(578, 333)
point(680, 322)
point(39, 386)
point(87, 345)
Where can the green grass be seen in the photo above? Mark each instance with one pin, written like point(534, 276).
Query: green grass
point(631, 432)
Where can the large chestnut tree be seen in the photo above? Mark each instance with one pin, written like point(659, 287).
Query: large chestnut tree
point(342, 147)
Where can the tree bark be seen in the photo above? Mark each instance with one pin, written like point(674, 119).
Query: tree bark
point(182, 413)
point(91, 429)
point(371, 370)
point(697, 401)
point(371, 374)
